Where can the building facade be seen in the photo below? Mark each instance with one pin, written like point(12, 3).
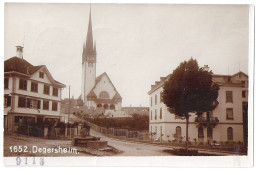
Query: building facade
point(31, 94)
point(223, 124)
point(97, 92)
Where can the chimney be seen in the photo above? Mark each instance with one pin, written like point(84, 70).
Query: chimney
point(19, 51)
point(206, 68)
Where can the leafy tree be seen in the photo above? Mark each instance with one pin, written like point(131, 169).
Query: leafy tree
point(190, 89)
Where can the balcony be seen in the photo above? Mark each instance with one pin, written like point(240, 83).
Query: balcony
point(207, 120)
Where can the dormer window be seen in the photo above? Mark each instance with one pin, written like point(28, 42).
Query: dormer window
point(41, 75)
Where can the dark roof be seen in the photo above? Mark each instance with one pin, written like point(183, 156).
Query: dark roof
point(20, 65)
point(117, 96)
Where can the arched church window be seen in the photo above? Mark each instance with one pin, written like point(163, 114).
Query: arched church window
point(112, 106)
point(105, 106)
point(104, 94)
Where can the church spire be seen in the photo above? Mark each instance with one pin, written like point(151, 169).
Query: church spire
point(89, 40)
point(95, 49)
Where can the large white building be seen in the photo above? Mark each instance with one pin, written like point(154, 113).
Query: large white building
point(227, 122)
point(97, 92)
point(31, 94)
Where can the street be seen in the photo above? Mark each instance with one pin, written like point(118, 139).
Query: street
point(131, 148)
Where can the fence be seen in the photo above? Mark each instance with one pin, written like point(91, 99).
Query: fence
point(141, 135)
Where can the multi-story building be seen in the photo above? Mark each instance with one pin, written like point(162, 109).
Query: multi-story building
point(31, 94)
point(224, 123)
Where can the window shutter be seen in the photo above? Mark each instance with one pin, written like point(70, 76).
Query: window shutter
point(8, 101)
point(38, 104)
point(28, 102)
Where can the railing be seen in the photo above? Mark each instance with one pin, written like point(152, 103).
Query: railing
point(141, 135)
point(206, 120)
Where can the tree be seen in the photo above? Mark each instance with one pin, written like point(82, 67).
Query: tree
point(190, 89)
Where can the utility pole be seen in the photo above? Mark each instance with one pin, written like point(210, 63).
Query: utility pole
point(69, 106)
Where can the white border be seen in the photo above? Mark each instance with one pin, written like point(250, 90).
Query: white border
point(236, 161)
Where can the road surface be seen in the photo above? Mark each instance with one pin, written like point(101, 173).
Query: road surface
point(131, 148)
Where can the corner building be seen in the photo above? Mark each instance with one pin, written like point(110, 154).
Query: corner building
point(31, 94)
point(226, 123)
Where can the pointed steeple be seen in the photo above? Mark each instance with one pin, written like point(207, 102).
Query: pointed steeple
point(95, 50)
point(89, 41)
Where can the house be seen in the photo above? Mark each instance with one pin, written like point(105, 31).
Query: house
point(226, 123)
point(31, 94)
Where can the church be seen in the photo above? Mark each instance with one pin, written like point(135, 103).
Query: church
point(97, 92)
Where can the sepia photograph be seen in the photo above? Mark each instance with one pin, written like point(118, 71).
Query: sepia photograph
point(140, 81)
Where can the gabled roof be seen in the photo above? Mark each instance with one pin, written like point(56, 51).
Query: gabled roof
point(98, 79)
point(20, 65)
point(240, 72)
point(117, 96)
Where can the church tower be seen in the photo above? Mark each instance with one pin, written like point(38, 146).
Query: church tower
point(88, 64)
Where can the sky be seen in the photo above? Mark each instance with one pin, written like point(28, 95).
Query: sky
point(136, 44)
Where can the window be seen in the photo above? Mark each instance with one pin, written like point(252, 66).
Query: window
point(54, 106)
point(151, 114)
point(230, 133)
point(155, 101)
point(160, 97)
point(23, 84)
point(104, 94)
point(41, 74)
point(160, 113)
point(34, 87)
point(243, 94)
point(151, 101)
point(229, 113)
point(200, 132)
point(209, 132)
point(229, 97)
point(7, 101)
point(105, 106)
point(28, 102)
point(155, 115)
point(112, 106)
point(38, 104)
point(178, 131)
point(208, 114)
point(6, 83)
point(55, 91)
point(46, 90)
point(33, 103)
point(16, 119)
point(46, 105)
point(22, 102)
point(243, 83)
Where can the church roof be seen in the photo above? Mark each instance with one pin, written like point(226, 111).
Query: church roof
point(89, 47)
point(98, 79)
